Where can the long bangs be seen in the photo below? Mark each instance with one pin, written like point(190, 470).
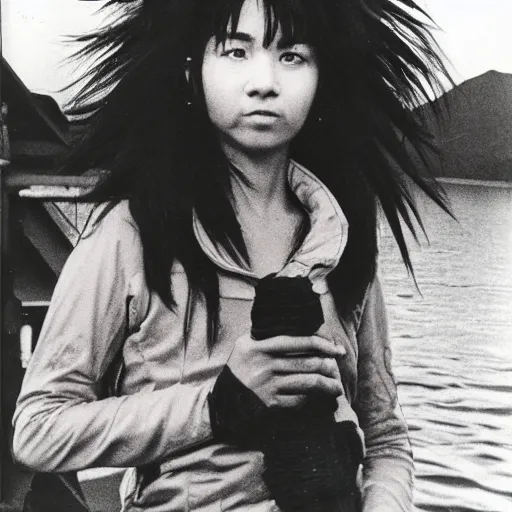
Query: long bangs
point(292, 17)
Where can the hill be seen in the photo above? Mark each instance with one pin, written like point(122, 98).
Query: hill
point(474, 132)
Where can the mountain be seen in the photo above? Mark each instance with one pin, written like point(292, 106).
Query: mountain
point(474, 130)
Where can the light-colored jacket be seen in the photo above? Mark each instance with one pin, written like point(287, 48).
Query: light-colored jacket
point(101, 305)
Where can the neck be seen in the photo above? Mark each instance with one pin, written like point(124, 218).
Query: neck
point(266, 175)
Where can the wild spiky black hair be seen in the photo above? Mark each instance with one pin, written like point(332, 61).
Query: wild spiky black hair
point(377, 61)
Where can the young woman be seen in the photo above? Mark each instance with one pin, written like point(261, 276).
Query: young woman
point(242, 138)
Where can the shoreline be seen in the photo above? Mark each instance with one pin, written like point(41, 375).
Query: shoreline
point(475, 183)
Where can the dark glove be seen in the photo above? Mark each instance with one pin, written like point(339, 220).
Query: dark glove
point(236, 412)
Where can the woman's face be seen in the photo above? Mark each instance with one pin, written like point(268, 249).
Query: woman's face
point(258, 98)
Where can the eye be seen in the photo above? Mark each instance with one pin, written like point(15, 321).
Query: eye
point(292, 58)
point(235, 53)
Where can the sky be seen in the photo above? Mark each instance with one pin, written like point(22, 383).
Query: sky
point(476, 36)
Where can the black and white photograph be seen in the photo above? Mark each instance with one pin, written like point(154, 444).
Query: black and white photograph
point(256, 256)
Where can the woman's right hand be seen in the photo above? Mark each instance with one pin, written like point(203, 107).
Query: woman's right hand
point(284, 370)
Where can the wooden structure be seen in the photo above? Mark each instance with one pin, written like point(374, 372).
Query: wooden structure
point(35, 239)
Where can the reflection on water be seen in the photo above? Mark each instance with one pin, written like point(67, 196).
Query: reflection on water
point(453, 350)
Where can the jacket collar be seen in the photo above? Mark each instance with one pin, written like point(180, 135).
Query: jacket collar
point(323, 246)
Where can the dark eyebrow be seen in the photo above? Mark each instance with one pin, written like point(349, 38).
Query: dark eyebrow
point(282, 44)
point(240, 36)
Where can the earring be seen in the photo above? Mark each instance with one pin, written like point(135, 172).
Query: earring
point(188, 64)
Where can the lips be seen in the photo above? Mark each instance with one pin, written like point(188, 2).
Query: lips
point(267, 113)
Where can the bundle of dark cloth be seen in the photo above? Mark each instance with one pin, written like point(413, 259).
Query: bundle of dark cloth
point(311, 461)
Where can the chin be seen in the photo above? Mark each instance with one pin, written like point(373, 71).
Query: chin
point(262, 145)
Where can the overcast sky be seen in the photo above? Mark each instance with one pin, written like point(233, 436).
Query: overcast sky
point(476, 36)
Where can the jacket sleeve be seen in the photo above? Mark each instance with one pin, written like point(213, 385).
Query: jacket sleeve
point(62, 423)
point(388, 465)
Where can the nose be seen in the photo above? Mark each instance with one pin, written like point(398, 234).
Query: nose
point(263, 78)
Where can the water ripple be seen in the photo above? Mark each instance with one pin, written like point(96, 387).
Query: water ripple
point(453, 351)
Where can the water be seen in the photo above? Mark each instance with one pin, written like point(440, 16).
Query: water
point(453, 350)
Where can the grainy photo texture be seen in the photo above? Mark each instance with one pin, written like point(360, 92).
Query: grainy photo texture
point(255, 255)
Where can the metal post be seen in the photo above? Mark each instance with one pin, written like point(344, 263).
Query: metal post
point(3, 163)
point(2, 304)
